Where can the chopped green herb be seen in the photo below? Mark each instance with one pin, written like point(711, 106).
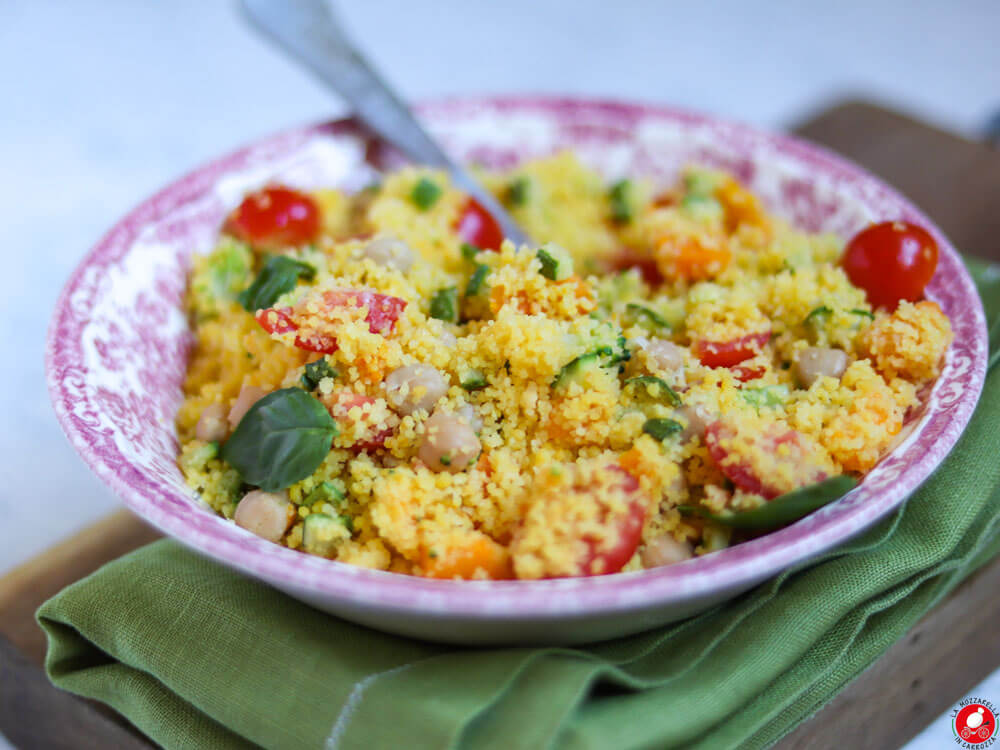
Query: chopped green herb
point(557, 264)
point(315, 372)
point(279, 276)
point(654, 387)
point(640, 315)
point(469, 251)
point(282, 439)
point(444, 304)
point(621, 197)
point(661, 429)
point(477, 280)
point(518, 190)
point(425, 193)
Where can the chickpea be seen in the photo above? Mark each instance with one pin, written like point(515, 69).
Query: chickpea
point(814, 362)
point(249, 395)
point(697, 420)
point(212, 425)
point(389, 251)
point(664, 550)
point(263, 513)
point(662, 354)
point(449, 444)
point(414, 387)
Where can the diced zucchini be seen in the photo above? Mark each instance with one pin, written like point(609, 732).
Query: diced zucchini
point(557, 264)
point(469, 251)
point(702, 182)
point(219, 277)
point(321, 534)
point(765, 396)
point(818, 316)
point(477, 282)
point(425, 193)
point(196, 458)
point(655, 388)
point(518, 191)
point(473, 380)
point(661, 429)
point(702, 207)
point(621, 195)
point(863, 313)
point(315, 372)
point(444, 304)
point(324, 492)
point(645, 317)
point(604, 339)
point(575, 370)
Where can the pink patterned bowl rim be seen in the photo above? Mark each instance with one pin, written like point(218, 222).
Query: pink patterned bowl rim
point(117, 344)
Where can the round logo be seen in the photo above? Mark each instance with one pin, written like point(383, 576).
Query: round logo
point(974, 723)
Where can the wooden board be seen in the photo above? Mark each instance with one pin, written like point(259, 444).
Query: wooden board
point(957, 182)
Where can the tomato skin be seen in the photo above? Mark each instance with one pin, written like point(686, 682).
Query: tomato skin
point(383, 312)
point(744, 474)
point(477, 226)
point(340, 404)
point(891, 261)
point(731, 353)
point(275, 216)
point(604, 561)
point(627, 258)
point(745, 373)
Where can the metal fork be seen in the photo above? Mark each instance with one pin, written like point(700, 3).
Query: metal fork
point(309, 31)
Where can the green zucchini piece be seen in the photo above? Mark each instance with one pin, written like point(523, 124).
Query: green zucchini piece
point(661, 429)
point(655, 388)
point(321, 532)
point(444, 304)
point(557, 264)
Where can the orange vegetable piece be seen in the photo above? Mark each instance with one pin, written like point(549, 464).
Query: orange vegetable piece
point(691, 258)
point(479, 552)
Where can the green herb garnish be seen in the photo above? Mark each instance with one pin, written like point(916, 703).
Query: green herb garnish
point(661, 429)
point(783, 509)
point(425, 193)
point(279, 276)
point(444, 304)
point(315, 372)
point(282, 439)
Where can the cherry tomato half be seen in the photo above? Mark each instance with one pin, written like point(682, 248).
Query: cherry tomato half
point(601, 560)
point(730, 353)
point(627, 258)
point(891, 261)
point(275, 217)
point(477, 226)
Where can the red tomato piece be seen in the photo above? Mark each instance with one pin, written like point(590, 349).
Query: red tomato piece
point(627, 258)
point(747, 473)
point(383, 312)
point(891, 261)
point(275, 217)
point(477, 226)
point(745, 373)
point(339, 406)
point(599, 560)
point(730, 353)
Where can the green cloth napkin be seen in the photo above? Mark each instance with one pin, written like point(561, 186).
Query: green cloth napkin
point(196, 655)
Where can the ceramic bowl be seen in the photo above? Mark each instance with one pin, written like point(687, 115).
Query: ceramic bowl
point(119, 340)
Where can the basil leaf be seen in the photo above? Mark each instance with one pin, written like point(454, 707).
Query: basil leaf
point(654, 387)
point(783, 509)
point(661, 429)
point(279, 276)
point(281, 439)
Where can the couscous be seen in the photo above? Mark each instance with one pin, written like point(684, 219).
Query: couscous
point(381, 379)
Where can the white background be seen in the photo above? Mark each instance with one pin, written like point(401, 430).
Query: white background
point(103, 102)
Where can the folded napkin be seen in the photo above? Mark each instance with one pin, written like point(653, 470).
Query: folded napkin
point(196, 655)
